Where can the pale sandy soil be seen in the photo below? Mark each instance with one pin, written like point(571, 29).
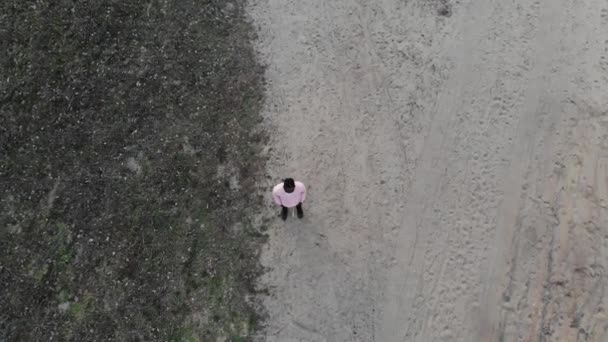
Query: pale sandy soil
point(457, 168)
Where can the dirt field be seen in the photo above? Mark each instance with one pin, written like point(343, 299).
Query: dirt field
point(456, 154)
point(129, 153)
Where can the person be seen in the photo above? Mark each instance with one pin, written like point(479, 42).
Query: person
point(289, 194)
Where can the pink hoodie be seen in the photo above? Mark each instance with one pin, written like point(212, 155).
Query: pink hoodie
point(289, 200)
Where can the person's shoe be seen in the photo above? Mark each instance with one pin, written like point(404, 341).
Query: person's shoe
point(284, 213)
point(300, 211)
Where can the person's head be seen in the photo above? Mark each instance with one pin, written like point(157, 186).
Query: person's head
point(289, 185)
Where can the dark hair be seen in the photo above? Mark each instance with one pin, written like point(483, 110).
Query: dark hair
point(289, 183)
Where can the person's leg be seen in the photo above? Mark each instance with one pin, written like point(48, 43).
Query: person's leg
point(300, 211)
point(284, 212)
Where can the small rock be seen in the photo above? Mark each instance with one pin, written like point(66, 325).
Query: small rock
point(63, 307)
point(133, 165)
point(445, 11)
point(14, 228)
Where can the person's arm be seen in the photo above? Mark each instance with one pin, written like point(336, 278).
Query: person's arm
point(303, 194)
point(276, 198)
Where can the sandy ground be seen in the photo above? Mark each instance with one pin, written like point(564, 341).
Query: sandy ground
point(457, 167)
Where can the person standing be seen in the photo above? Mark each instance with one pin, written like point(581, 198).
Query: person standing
point(289, 194)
